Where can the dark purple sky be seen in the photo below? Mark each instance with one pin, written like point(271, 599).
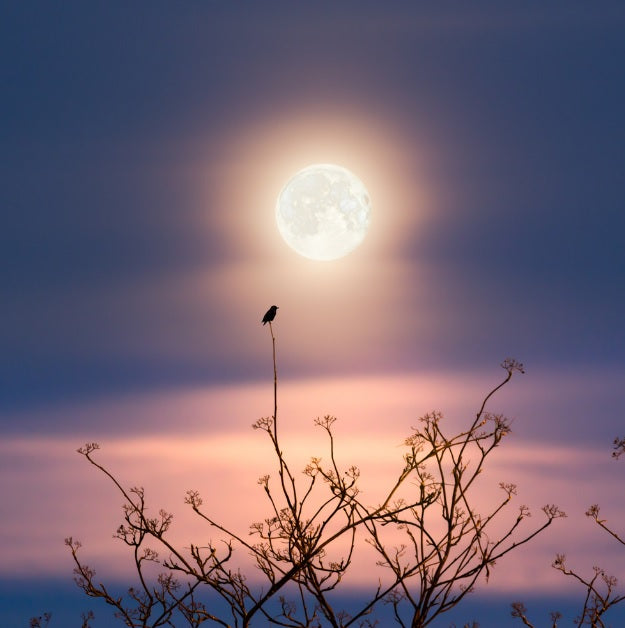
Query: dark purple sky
point(514, 115)
point(143, 145)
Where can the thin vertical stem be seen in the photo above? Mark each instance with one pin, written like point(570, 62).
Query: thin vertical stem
point(292, 501)
point(275, 385)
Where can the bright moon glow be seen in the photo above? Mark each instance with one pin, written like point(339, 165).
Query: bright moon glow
point(323, 212)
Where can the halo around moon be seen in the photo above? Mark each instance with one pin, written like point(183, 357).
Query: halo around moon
point(323, 212)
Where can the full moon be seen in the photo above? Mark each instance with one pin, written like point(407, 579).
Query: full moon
point(323, 212)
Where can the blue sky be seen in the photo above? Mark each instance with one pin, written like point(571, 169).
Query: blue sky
point(144, 145)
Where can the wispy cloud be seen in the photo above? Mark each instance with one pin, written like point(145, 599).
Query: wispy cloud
point(202, 440)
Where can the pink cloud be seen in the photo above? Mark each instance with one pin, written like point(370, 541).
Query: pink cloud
point(201, 439)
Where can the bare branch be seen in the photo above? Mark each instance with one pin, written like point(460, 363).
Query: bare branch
point(432, 542)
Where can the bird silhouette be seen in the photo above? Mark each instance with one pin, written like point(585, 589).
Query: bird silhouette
point(270, 314)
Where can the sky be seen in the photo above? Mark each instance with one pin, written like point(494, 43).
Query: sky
point(143, 148)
